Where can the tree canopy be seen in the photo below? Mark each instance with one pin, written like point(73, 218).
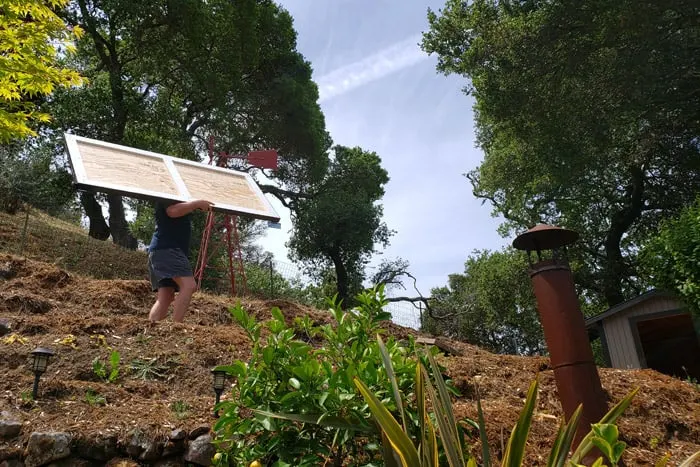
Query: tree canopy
point(167, 76)
point(588, 115)
point(31, 35)
point(672, 258)
point(342, 223)
point(491, 305)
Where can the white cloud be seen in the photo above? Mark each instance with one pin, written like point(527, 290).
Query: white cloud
point(383, 63)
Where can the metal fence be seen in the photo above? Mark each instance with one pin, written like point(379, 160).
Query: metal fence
point(38, 236)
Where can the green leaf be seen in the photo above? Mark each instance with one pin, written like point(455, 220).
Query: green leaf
point(485, 451)
point(277, 314)
point(293, 382)
point(388, 454)
point(515, 449)
point(445, 409)
point(268, 355)
point(318, 419)
point(448, 432)
point(562, 443)
point(613, 414)
point(399, 440)
point(392, 378)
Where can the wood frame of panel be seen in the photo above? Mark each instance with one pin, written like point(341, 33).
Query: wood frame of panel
point(178, 189)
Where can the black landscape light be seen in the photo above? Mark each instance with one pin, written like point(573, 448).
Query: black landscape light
point(40, 362)
point(219, 382)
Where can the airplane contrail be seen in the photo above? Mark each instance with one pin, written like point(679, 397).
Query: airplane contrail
point(394, 58)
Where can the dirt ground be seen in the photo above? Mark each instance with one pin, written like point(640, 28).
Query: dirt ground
point(83, 318)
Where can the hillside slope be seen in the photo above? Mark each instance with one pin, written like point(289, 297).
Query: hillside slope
point(45, 305)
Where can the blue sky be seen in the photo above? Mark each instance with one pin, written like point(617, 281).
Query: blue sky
point(379, 91)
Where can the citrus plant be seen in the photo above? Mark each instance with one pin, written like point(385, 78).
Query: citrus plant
point(296, 404)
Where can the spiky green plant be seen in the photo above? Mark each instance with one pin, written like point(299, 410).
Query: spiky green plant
point(402, 450)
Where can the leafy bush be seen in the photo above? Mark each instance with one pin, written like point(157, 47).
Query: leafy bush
point(671, 258)
point(293, 404)
point(27, 175)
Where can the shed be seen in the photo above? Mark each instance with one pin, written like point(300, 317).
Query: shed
point(653, 330)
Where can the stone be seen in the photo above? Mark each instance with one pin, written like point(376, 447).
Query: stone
point(98, 447)
point(5, 327)
point(152, 450)
point(199, 431)
point(44, 448)
point(10, 426)
point(142, 447)
point(201, 451)
point(172, 448)
point(178, 434)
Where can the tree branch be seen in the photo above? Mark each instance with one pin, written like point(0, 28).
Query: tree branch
point(421, 299)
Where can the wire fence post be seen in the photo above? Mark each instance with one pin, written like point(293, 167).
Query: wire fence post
point(272, 278)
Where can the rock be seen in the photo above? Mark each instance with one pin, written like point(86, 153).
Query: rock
point(200, 451)
point(178, 434)
point(172, 448)
point(199, 431)
point(99, 447)
point(5, 327)
point(7, 270)
point(153, 450)
point(142, 447)
point(44, 448)
point(10, 426)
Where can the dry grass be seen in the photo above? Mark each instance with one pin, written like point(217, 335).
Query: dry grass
point(69, 247)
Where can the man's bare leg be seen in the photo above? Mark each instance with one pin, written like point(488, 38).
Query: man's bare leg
point(182, 301)
point(164, 298)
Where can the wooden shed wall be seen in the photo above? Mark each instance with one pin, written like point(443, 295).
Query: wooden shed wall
point(620, 334)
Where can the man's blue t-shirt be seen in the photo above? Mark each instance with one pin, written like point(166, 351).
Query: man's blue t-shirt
point(171, 232)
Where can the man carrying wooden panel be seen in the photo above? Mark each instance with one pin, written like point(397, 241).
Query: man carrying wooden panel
point(168, 265)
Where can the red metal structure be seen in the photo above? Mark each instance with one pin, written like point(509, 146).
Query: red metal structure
point(224, 227)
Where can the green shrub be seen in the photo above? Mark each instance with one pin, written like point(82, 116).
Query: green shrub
point(294, 404)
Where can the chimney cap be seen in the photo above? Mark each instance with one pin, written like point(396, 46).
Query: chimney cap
point(544, 237)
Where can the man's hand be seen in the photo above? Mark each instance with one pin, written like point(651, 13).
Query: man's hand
point(182, 209)
point(203, 204)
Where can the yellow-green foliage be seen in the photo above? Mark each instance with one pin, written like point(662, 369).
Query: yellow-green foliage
point(30, 35)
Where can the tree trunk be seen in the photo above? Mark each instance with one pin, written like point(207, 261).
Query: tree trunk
point(118, 224)
point(98, 227)
point(341, 275)
point(620, 223)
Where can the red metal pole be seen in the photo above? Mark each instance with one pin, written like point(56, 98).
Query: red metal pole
point(229, 224)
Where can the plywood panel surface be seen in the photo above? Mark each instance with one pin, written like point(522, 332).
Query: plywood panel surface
point(129, 170)
point(218, 187)
point(112, 168)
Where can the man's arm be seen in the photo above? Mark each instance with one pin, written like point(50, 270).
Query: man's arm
point(182, 209)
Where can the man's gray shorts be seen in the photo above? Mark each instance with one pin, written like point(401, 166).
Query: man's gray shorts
point(165, 264)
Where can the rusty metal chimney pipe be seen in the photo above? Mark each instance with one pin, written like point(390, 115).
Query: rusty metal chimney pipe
point(564, 328)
